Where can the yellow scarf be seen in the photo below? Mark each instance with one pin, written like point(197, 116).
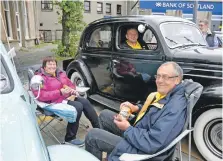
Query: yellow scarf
point(53, 74)
point(148, 102)
point(136, 46)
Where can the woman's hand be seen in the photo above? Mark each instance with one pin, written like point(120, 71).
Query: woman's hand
point(65, 91)
point(74, 92)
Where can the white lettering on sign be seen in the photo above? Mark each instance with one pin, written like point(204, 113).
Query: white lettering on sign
point(190, 5)
point(184, 5)
point(206, 6)
point(173, 5)
point(181, 5)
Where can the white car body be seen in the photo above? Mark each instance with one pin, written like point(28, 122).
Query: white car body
point(20, 137)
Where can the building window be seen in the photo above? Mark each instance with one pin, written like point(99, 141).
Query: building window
point(119, 9)
point(99, 7)
point(108, 8)
point(26, 19)
point(8, 19)
point(16, 7)
point(47, 5)
point(87, 6)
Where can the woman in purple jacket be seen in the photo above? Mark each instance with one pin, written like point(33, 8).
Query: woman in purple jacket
point(56, 88)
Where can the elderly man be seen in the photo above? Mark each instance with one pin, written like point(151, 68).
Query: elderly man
point(208, 35)
point(157, 123)
point(132, 40)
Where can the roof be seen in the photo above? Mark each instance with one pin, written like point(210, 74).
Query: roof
point(156, 19)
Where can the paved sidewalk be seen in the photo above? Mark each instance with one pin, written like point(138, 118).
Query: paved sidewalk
point(29, 57)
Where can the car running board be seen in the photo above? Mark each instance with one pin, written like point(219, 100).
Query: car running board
point(114, 105)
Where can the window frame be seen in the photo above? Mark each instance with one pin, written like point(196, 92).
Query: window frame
point(100, 12)
point(117, 11)
point(26, 19)
point(88, 38)
point(138, 52)
point(8, 20)
point(9, 75)
point(43, 2)
point(89, 3)
point(17, 17)
point(108, 4)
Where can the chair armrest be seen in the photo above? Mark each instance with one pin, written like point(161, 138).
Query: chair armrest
point(82, 89)
point(136, 157)
point(40, 104)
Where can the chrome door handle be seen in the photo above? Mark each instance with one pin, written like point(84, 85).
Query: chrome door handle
point(84, 57)
point(115, 61)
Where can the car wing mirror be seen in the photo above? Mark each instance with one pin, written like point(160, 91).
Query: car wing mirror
point(141, 28)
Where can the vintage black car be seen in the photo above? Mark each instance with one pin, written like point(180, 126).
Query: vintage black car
point(115, 74)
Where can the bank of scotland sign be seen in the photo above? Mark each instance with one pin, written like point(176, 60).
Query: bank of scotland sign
point(185, 6)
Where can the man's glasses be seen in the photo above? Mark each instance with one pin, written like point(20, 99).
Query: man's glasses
point(165, 77)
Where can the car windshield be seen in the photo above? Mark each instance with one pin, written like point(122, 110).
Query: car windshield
point(181, 34)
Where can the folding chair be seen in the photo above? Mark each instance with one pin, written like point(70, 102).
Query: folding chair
point(40, 111)
point(193, 91)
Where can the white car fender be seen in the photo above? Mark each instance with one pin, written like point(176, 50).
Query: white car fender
point(69, 152)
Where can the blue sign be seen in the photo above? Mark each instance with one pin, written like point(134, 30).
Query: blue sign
point(107, 16)
point(185, 6)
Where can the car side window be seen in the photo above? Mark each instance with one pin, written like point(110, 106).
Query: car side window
point(131, 38)
point(100, 37)
point(5, 83)
point(150, 39)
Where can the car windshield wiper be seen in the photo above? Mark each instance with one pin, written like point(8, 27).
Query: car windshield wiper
point(193, 43)
point(171, 40)
point(186, 45)
point(188, 39)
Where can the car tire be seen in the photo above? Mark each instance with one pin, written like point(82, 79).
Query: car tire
point(208, 134)
point(77, 79)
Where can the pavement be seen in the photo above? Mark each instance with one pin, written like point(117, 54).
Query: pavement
point(29, 57)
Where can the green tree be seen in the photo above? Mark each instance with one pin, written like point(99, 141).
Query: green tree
point(71, 18)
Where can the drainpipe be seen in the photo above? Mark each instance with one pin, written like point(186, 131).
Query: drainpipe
point(195, 11)
point(135, 6)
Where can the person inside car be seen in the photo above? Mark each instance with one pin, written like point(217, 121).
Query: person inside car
point(209, 36)
point(132, 41)
point(158, 122)
point(58, 88)
point(96, 40)
point(125, 69)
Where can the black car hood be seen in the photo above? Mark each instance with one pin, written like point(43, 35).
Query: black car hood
point(199, 54)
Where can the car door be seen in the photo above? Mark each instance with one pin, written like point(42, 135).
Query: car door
point(97, 56)
point(134, 70)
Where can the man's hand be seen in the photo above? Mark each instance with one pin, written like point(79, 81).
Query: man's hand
point(122, 123)
point(130, 105)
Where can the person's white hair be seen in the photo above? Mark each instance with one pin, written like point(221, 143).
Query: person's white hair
point(205, 21)
point(177, 69)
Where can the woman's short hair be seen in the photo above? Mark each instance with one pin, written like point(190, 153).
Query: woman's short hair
point(48, 59)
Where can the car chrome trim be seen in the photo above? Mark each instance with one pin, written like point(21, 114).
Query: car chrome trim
point(207, 70)
point(203, 76)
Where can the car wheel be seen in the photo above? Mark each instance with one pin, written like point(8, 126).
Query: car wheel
point(208, 134)
point(77, 79)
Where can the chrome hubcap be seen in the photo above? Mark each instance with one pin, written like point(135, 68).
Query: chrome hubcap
point(80, 83)
point(213, 136)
